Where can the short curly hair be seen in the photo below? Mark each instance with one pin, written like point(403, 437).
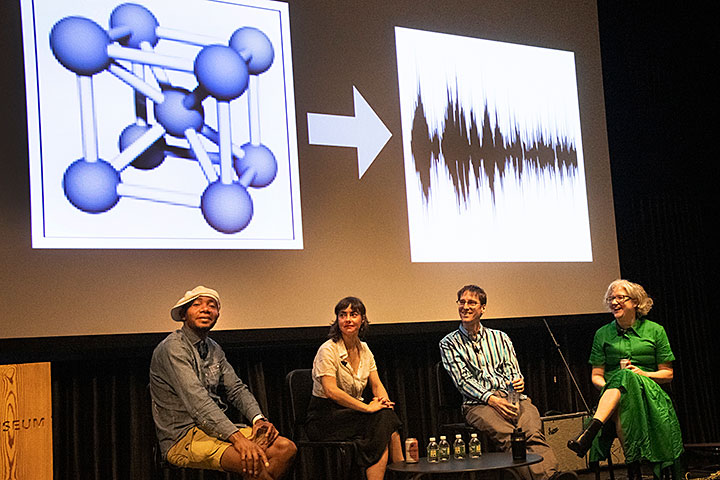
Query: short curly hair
point(356, 305)
point(635, 292)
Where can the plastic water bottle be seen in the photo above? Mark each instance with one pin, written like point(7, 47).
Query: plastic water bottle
point(474, 446)
point(459, 447)
point(513, 396)
point(432, 451)
point(443, 449)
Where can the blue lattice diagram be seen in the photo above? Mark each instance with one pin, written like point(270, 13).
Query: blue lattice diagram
point(223, 72)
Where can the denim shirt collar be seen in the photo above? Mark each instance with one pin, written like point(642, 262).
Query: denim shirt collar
point(192, 337)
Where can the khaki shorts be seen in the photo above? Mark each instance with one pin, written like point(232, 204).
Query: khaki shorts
point(199, 450)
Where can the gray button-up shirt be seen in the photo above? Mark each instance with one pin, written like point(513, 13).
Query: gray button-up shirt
point(188, 391)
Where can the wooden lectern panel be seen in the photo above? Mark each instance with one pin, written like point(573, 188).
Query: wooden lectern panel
point(26, 422)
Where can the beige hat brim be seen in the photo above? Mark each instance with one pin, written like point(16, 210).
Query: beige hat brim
point(190, 295)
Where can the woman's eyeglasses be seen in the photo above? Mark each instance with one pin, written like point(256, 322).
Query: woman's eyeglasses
point(618, 298)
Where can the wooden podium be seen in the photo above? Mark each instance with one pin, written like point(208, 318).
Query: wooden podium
point(26, 422)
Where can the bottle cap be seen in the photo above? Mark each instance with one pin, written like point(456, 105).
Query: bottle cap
point(457, 435)
point(474, 435)
point(442, 437)
point(432, 439)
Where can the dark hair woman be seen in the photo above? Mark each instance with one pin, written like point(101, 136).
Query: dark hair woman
point(343, 367)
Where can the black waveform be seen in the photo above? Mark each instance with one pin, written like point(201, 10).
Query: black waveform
point(481, 147)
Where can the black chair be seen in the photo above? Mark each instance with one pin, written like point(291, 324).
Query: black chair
point(450, 416)
point(334, 459)
point(451, 420)
point(635, 469)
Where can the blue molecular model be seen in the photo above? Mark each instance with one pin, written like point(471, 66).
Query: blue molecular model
point(223, 72)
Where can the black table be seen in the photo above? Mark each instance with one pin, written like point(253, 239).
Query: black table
point(494, 461)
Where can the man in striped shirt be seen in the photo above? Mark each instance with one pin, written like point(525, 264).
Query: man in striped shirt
point(483, 366)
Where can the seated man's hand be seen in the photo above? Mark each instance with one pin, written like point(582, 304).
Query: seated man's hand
point(519, 385)
point(253, 458)
point(264, 433)
point(506, 409)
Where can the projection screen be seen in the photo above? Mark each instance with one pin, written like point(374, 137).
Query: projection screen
point(291, 154)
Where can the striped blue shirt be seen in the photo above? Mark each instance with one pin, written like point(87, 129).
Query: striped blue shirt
point(480, 367)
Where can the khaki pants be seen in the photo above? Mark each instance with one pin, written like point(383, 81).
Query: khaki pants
point(199, 450)
point(486, 419)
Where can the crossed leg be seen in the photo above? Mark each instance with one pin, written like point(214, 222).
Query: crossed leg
point(280, 456)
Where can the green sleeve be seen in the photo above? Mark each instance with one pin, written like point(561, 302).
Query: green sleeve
point(597, 353)
point(663, 352)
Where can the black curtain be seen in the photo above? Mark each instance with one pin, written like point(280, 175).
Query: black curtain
point(103, 429)
point(660, 100)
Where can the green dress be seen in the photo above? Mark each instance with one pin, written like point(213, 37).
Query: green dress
point(647, 416)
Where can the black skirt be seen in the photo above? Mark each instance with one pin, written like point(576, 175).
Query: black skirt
point(370, 432)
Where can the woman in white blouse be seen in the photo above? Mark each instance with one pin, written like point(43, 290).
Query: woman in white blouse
point(343, 367)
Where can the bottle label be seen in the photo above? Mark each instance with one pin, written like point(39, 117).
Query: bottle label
point(444, 452)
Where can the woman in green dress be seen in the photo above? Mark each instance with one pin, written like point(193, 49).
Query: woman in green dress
point(631, 358)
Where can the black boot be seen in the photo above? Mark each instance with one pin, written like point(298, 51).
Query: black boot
point(581, 444)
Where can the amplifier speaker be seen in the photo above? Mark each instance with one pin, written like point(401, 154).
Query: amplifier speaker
point(561, 428)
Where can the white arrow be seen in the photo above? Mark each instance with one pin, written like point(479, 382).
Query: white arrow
point(365, 131)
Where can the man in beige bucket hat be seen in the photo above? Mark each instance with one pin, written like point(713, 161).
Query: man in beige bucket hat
point(191, 384)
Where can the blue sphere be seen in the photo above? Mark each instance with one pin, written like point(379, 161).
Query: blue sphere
point(91, 186)
point(152, 157)
point(261, 161)
point(228, 208)
point(255, 47)
point(80, 45)
point(222, 72)
point(142, 23)
point(175, 117)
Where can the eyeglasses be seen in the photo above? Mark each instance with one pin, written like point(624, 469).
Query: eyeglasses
point(468, 303)
point(619, 298)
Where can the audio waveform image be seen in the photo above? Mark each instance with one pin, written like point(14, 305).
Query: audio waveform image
point(475, 146)
point(492, 148)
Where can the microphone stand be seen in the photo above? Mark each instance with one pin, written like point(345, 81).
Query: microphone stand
point(567, 367)
point(587, 408)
